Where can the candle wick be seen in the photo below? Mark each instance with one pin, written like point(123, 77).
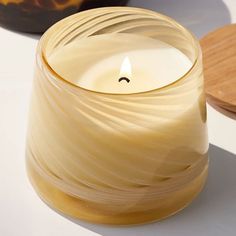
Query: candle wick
point(124, 78)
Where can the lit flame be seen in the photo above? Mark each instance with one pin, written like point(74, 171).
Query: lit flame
point(126, 69)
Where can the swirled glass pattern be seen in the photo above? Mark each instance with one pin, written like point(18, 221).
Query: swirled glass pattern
point(117, 158)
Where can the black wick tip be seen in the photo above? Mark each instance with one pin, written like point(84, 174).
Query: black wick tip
point(124, 78)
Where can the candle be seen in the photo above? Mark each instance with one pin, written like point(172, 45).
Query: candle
point(117, 130)
point(146, 63)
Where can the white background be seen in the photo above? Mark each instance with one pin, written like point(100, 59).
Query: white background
point(22, 213)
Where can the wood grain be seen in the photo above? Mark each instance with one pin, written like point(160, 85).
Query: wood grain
point(219, 58)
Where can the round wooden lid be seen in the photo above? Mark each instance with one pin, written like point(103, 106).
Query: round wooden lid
point(219, 60)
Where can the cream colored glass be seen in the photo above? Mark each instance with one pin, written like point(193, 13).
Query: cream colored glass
point(117, 158)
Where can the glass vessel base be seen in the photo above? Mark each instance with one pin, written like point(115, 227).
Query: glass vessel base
point(76, 208)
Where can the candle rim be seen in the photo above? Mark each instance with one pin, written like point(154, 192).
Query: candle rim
point(43, 42)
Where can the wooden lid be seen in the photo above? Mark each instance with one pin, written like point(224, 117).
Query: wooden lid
point(219, 59)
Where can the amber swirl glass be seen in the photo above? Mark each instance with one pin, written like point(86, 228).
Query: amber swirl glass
point(37, 15)
point(113, 158)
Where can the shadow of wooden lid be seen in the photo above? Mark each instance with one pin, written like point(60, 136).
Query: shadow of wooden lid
point(219, 59)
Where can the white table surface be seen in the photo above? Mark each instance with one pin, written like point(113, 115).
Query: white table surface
point(22, 213)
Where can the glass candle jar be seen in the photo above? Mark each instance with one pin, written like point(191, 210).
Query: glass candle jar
point(117, 157)
point(38, 15)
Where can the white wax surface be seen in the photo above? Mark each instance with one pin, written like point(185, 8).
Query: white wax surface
point(96, 63)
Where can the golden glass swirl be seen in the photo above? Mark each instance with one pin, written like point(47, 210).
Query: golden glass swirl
point(113, 158)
